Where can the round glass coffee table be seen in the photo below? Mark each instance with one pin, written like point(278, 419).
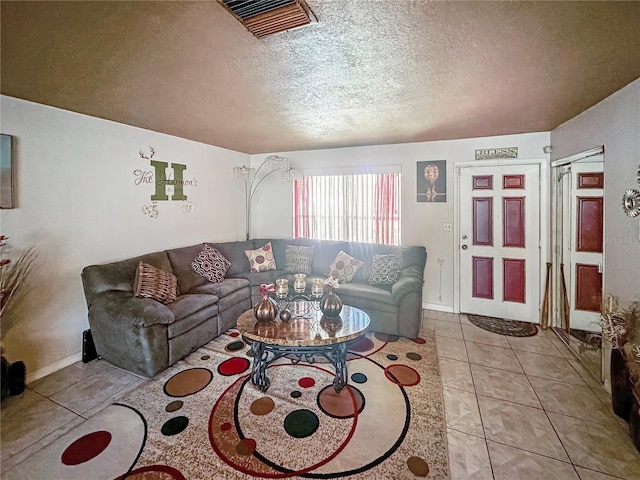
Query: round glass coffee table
point(308, 334)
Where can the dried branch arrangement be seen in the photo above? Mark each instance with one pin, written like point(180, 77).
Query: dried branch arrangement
point(13, 274)
point(618, 324)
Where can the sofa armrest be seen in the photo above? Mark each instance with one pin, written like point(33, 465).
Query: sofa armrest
point(409, 280)
point(124, 307)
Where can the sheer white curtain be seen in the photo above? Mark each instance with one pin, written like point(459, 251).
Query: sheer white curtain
point(361, 208)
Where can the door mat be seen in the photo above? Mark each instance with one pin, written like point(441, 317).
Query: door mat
point(511, 328)
point(590, 339)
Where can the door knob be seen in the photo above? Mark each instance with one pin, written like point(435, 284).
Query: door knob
point(464, 247)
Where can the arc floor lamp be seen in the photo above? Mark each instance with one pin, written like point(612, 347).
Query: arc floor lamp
point(253, 177)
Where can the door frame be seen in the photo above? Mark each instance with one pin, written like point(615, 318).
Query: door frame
point(545, 223)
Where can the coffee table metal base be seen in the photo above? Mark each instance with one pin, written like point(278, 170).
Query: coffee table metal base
point(264, 354)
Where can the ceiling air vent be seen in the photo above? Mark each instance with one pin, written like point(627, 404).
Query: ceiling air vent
point(267, 17)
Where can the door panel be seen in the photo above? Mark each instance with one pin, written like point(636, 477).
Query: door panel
point(588, 288)
point(590, 180)
point(514, 279)
point(513, 228)
point(499, 256)
point(589, 224)
point(482, 277)
point(512, 181)
point(483, 221)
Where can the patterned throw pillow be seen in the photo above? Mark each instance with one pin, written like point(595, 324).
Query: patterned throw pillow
point(211, 264)
point(298, 259)
point(344, 267)
point(385, 269)
point(152, 282)
point(261, 259)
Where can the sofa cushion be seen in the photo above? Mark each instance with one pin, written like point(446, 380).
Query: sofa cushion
point(368, 297)
point(344, 267)
point(224, 288)
point(385, 268)
point(234, 301)
point(261, 259)
point(152, 282)
point(119, 276)
point(262, 277)
point(191, 310)
point(234, 252)
point(299, 259)
point(181, 259)
point(211, 264)
point(324, 252)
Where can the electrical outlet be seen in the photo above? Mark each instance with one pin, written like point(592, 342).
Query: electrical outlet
point(441, 260)
point(447, 227)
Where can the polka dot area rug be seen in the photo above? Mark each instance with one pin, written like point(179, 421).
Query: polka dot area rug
point(203, 418)
point(511, 328)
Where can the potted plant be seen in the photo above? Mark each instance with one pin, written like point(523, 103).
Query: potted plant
point(619, 327)
point(13, 274)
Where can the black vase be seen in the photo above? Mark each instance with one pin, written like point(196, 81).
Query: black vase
point(4, 385)
point(330, 304)
point(13, 378)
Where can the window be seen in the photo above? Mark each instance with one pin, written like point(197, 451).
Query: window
point(359, 208)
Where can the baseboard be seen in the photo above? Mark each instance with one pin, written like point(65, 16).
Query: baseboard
point(54, 367)
point(440, 308)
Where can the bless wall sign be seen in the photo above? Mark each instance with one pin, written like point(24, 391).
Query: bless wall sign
point(489, 153)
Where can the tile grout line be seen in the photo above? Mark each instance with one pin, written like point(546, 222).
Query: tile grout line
point(534, 453)
point(76, 416)
point(475, 392)
point(549, 418)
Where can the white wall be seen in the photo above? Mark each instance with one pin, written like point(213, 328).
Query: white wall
point(76, 199)
point(614, 123)
point(421, 222)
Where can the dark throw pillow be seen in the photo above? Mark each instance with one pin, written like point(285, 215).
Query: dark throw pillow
point(211, 264)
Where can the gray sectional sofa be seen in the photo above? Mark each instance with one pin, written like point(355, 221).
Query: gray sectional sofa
point(145, 336)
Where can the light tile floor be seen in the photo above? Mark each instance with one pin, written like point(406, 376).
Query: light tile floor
point(516, 408)
point(525, 408)
point(53, 405)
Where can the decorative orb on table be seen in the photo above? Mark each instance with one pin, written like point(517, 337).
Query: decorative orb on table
point(285, 315)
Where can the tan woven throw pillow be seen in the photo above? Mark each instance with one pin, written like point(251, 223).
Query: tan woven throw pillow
point(152, 282)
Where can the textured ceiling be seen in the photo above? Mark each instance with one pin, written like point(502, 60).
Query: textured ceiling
point(369, 72)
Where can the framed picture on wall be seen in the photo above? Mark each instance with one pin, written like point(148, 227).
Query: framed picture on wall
point(6, 171)
point(432, 181)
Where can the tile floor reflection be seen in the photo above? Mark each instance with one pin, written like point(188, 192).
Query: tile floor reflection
point(525, 408)
point(516, 408)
